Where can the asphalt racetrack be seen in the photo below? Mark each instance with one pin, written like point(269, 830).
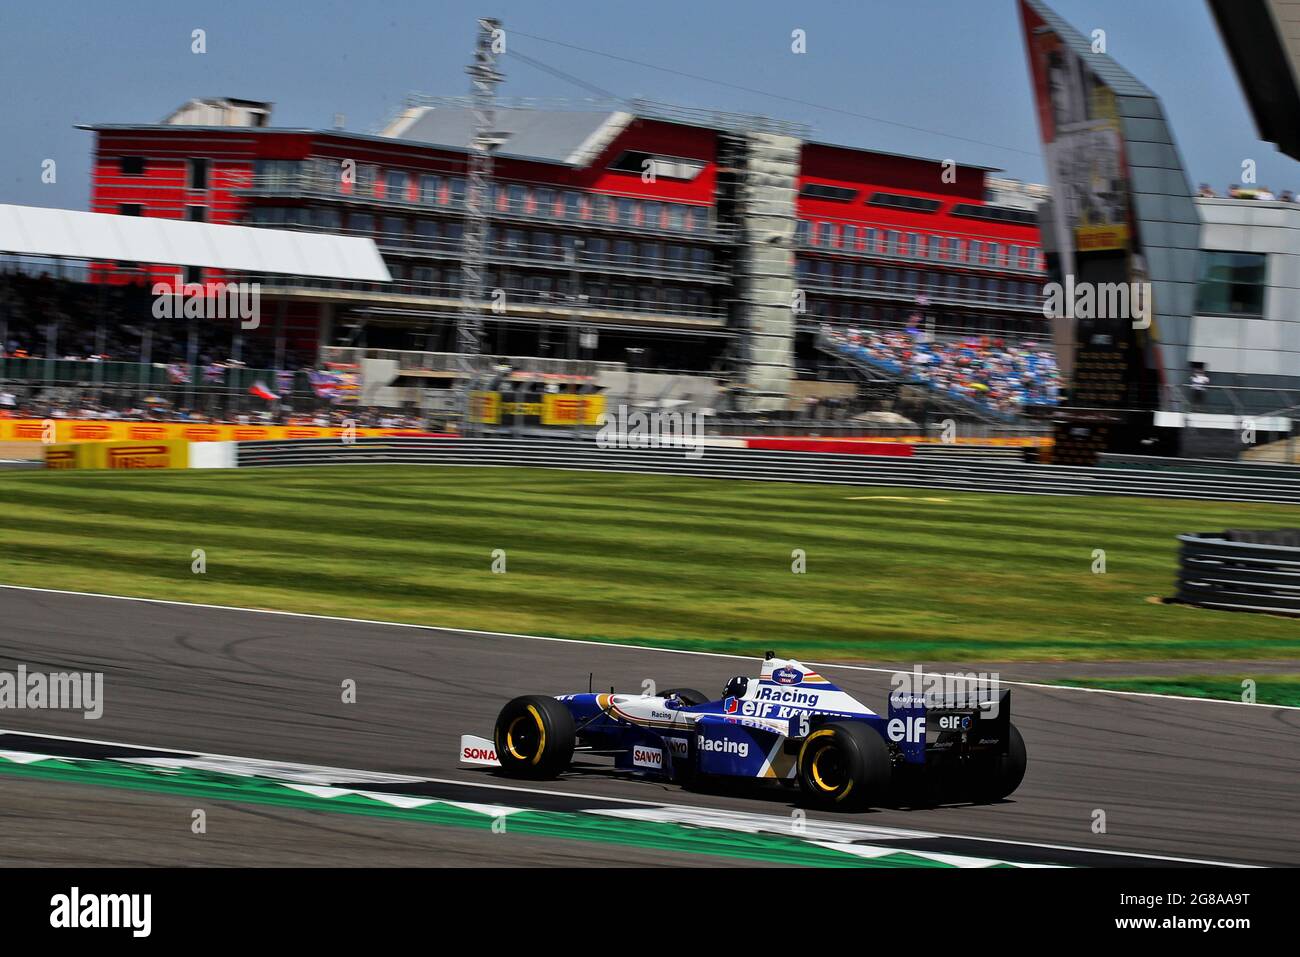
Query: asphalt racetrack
point(1208, 781)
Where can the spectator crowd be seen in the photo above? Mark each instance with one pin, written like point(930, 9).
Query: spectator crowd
point(1262, 193)
point(991, 372)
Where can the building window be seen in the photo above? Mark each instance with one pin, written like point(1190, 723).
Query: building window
point(362, 224)
point(899, 201)
point(130, 209)
point(131, 165)
point(801, 232)
point(652, 214)
point(573, 205)
point(1232, 284)
point(394, 230)
point(277, 173)
point(546, 203)
point(395, 186)
point(544, 244)
point(198, 173)
point(515, 195)
point(426, 233)
point(821, 191)
point(430, 189)
point(196, 214)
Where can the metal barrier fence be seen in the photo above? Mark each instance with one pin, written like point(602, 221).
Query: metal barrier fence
point(1241, 571)
point(971, 470)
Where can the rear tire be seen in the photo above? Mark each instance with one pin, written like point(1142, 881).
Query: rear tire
point(534, 737)
point(998, 778)
point(845, 766)
point(689, 696)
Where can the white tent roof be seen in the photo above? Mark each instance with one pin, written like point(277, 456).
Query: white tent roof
point(36, 231)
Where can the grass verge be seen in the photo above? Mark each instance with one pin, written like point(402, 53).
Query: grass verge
point(890, 574)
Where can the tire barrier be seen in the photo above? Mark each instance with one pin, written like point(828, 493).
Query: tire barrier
point(972, 473)
point(1241, 571)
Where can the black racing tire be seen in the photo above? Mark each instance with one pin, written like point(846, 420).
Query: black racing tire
point(845, 766)
point(689, 696)
point(534, 737)
point(999, 777)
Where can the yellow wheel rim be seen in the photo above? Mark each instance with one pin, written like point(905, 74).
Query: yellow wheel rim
point(817, 771)
point(533, 718)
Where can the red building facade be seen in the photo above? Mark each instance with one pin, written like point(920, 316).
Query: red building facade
point(607, 222)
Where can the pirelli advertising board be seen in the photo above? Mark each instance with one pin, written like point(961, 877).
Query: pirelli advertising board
point(165, 454)
point(557, 409)
point(91, 430)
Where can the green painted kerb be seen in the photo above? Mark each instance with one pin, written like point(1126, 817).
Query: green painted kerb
point(191, 782)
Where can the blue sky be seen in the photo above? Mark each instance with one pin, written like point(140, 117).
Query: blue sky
point(956, 67)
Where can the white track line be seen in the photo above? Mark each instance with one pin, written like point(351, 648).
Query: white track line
point(614, 644)
point(868, 831)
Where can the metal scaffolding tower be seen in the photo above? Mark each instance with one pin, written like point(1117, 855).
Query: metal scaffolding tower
point(469, 328)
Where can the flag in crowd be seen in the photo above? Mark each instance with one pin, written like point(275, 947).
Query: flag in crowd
point(178, 373)
point(325, 384)
point(260, 390)
point(284, 381)
point(214, 373)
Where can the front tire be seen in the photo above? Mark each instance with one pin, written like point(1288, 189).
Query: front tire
point(534, 737)
point(844, 766)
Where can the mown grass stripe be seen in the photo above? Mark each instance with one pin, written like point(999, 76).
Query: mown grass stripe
point(685, 562)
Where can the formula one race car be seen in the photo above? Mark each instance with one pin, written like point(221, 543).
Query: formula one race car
point(789, 724)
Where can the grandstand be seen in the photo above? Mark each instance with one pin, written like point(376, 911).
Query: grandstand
point(973, 375)
point(649, 239)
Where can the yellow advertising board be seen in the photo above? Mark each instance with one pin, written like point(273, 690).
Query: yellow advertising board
point(485, 407)
point(165, 454)
point(558, 408)
point(99, 430)
point(569, 409)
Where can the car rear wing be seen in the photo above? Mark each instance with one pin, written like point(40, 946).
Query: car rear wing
point(926, 720)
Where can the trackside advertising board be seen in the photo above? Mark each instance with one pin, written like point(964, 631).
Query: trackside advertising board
point(166, 454)
point(94, 430)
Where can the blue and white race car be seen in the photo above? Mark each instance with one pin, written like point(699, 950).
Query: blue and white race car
point(789, 724)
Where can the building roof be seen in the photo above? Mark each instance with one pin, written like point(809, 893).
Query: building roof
point(70, 234)
point(550, 136)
